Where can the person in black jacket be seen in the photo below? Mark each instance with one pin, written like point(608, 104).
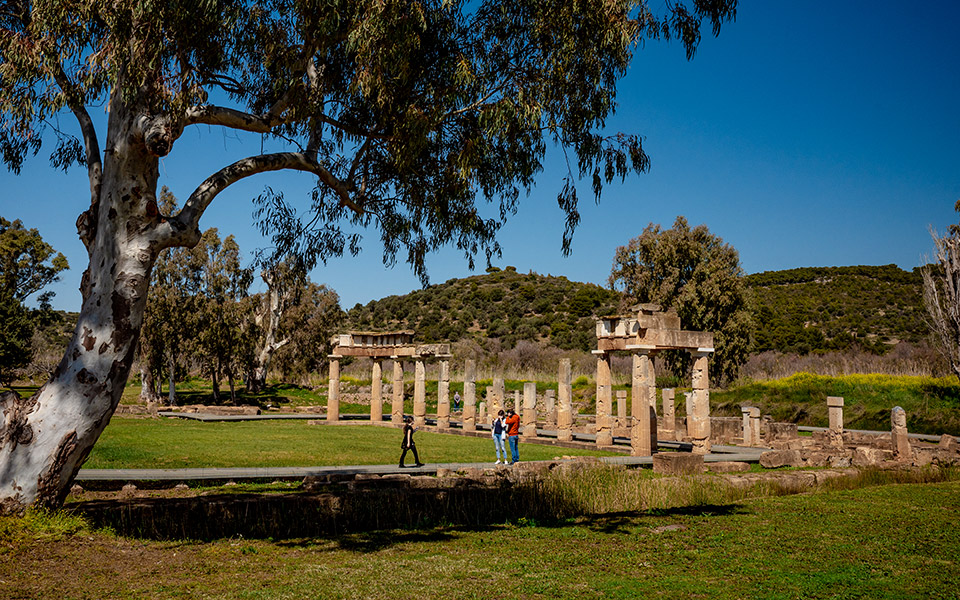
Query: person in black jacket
point(407, 443)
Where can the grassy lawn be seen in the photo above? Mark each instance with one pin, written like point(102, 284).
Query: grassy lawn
point(892, 541)
point(174, 443)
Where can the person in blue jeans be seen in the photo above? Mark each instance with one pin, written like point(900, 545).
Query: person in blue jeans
point(499, 431)
point(513, 435)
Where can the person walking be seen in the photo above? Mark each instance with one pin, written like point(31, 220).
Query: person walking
point(407, 443)
point(513, 435)
point(499, 431)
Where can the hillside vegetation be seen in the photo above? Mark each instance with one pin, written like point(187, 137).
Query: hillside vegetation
point(815, 309)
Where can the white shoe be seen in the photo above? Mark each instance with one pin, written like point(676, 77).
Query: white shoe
point(497, 463)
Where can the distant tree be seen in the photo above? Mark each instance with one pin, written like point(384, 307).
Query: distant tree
point(409, 116)
point(27, 265)
point(941, 294)
point(309, 323)
point(285, 282)
point(699, 275)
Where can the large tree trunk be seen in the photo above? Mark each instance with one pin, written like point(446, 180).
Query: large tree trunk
point(274, 310)
point(148, 384)
point(46, 438)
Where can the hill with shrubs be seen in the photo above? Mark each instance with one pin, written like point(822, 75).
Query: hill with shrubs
point(816, 309)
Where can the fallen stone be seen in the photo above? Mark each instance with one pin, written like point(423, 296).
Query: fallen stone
point(728, 467)
point(677, 463)
point(774, 459)
point(865, 456)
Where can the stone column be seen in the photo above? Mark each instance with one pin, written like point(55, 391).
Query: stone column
point(376, 391)
point(517, 404)
point(698, 423)
point(669, 413)
point(489, 406)
point(396, 407)
point(333, 391)
point(420, 394)
point(550, 409)
point(565, 397)
point(898, 435)
point(835, 413)
point(621, 408)
point(499, 397)
point(641, 440)
point(443, 396)
point(747, 427)
point(755, 426)
point(604, 401)
point(529, 409)
point(470, 396)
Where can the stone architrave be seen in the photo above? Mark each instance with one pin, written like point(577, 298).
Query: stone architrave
point(443, 396)
point(396, 405)
point(835, 414)
point(698, 424)
point(898, 435)
point(669, 413)
point(565, 398)
point(604, 401)
point(470, 396)
point(755, 426)
point(641, 440)
point(747, 428)
point(621, 408)
point(529, 409)
point(333, 391)
point(376, 391)
point(550, 409)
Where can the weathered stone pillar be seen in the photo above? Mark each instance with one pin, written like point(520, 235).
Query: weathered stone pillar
point(621, 408)
point(755, 426)
point(376, 391)
point(499, 397)
point(517, 404)
point(747, 427)
point(470, 396)
point(550, 409)
point(443, 396)
point(529, 409)
point(641, 440)
point(604, 401)
point(565, 397)
point(484, 411)
point(898, 435)
point(333, 391)
point(669, 413)
point(396, 406)
point(698, 423)
point(420, 394)
point(835, 414)
point(489, 406)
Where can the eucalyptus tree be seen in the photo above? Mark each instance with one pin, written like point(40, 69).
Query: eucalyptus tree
point(411, 116)
point(308, 323)
point(941, 294)
point(285, 281)
point(698, 274)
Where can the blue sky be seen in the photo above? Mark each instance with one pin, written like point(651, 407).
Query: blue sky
point(808, 134)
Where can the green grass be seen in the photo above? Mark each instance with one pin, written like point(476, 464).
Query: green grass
point(174, 443)
point(891, 541)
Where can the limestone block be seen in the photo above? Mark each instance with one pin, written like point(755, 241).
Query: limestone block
point(949, 442)
point(865, 456)
point(728, 467)
point(774, 459)
point(677, 463)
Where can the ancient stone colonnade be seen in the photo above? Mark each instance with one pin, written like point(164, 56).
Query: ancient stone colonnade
point(650, 331)
point(396, 346)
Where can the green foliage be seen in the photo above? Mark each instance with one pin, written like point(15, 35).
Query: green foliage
point(503, 305)
point(27, 263)
point(15, 341)
point(836, 308)
point(696, 273)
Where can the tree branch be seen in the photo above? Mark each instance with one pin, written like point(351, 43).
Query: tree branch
point(184, 229)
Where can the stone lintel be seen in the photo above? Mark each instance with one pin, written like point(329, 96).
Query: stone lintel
point(835, 401)
point(375, 351)
point(676, 339)
point(658, 321)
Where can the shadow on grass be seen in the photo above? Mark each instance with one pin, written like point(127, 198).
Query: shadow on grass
point(363, 516)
